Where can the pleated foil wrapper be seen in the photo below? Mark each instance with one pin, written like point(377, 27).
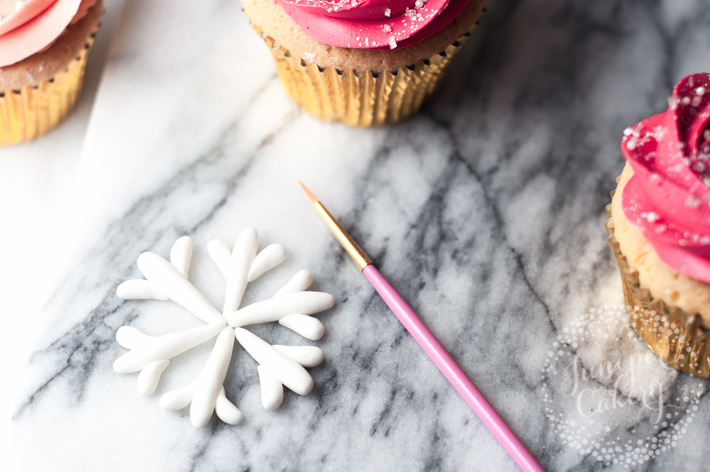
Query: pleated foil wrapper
point(360, 97)
point(33, 110)
point(681, 340)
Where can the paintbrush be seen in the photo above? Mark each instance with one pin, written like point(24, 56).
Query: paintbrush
point(430, 344)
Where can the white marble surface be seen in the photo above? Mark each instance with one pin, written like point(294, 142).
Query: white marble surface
point(35, 180)
point(486, 211)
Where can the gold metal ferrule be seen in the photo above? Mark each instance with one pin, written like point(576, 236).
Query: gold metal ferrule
point(343, 237)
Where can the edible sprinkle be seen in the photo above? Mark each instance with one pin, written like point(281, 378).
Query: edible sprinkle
point(652, 217)
point(692, 202)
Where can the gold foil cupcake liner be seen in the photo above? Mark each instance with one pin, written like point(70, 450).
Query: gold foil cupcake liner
point(361, 97)
point(33, 110)
point(679, 339)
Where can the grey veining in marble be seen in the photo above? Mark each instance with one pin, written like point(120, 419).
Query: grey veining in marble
point(485, 210)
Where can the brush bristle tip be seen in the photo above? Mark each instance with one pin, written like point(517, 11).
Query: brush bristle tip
point(308, 193)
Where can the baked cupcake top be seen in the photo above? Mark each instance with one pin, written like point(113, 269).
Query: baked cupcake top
point(372, 24)
point(31, 26)
point(668, 197)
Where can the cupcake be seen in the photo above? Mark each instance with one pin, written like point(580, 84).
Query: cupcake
point(660, 227)
point(44, 45)
point(362, 62)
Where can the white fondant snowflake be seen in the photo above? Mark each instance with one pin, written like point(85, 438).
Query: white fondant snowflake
point(278, 365)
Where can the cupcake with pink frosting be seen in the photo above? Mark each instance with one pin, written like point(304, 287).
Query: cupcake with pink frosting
point(44, 45)
point(362, 62)
point(660, 227)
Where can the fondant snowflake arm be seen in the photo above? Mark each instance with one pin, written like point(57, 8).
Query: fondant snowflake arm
point(140, 289)
point(206, 393)
point(272, 390)
point(274, 309)
point(210, 385)
point(268, 258)
point(307, 356)
point(300, 282)
point(290, 308)
point(151, 354)
point(178, 399)
point(243, 264)
point(149, 377)
point(307, 326)
point(279, 366)
point(238, 269)
point(271, 256)
point(164, 276)
point(181, 255)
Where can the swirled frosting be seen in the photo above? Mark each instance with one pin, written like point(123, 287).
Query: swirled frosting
point(372, 24)
point(668, 197)
point(30, 26)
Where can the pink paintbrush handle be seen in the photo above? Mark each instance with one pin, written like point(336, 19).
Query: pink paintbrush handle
point(452, 371)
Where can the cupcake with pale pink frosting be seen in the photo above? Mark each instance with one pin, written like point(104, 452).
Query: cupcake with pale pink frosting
point(44, 45)
point(660, 227)
point(363, 62)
